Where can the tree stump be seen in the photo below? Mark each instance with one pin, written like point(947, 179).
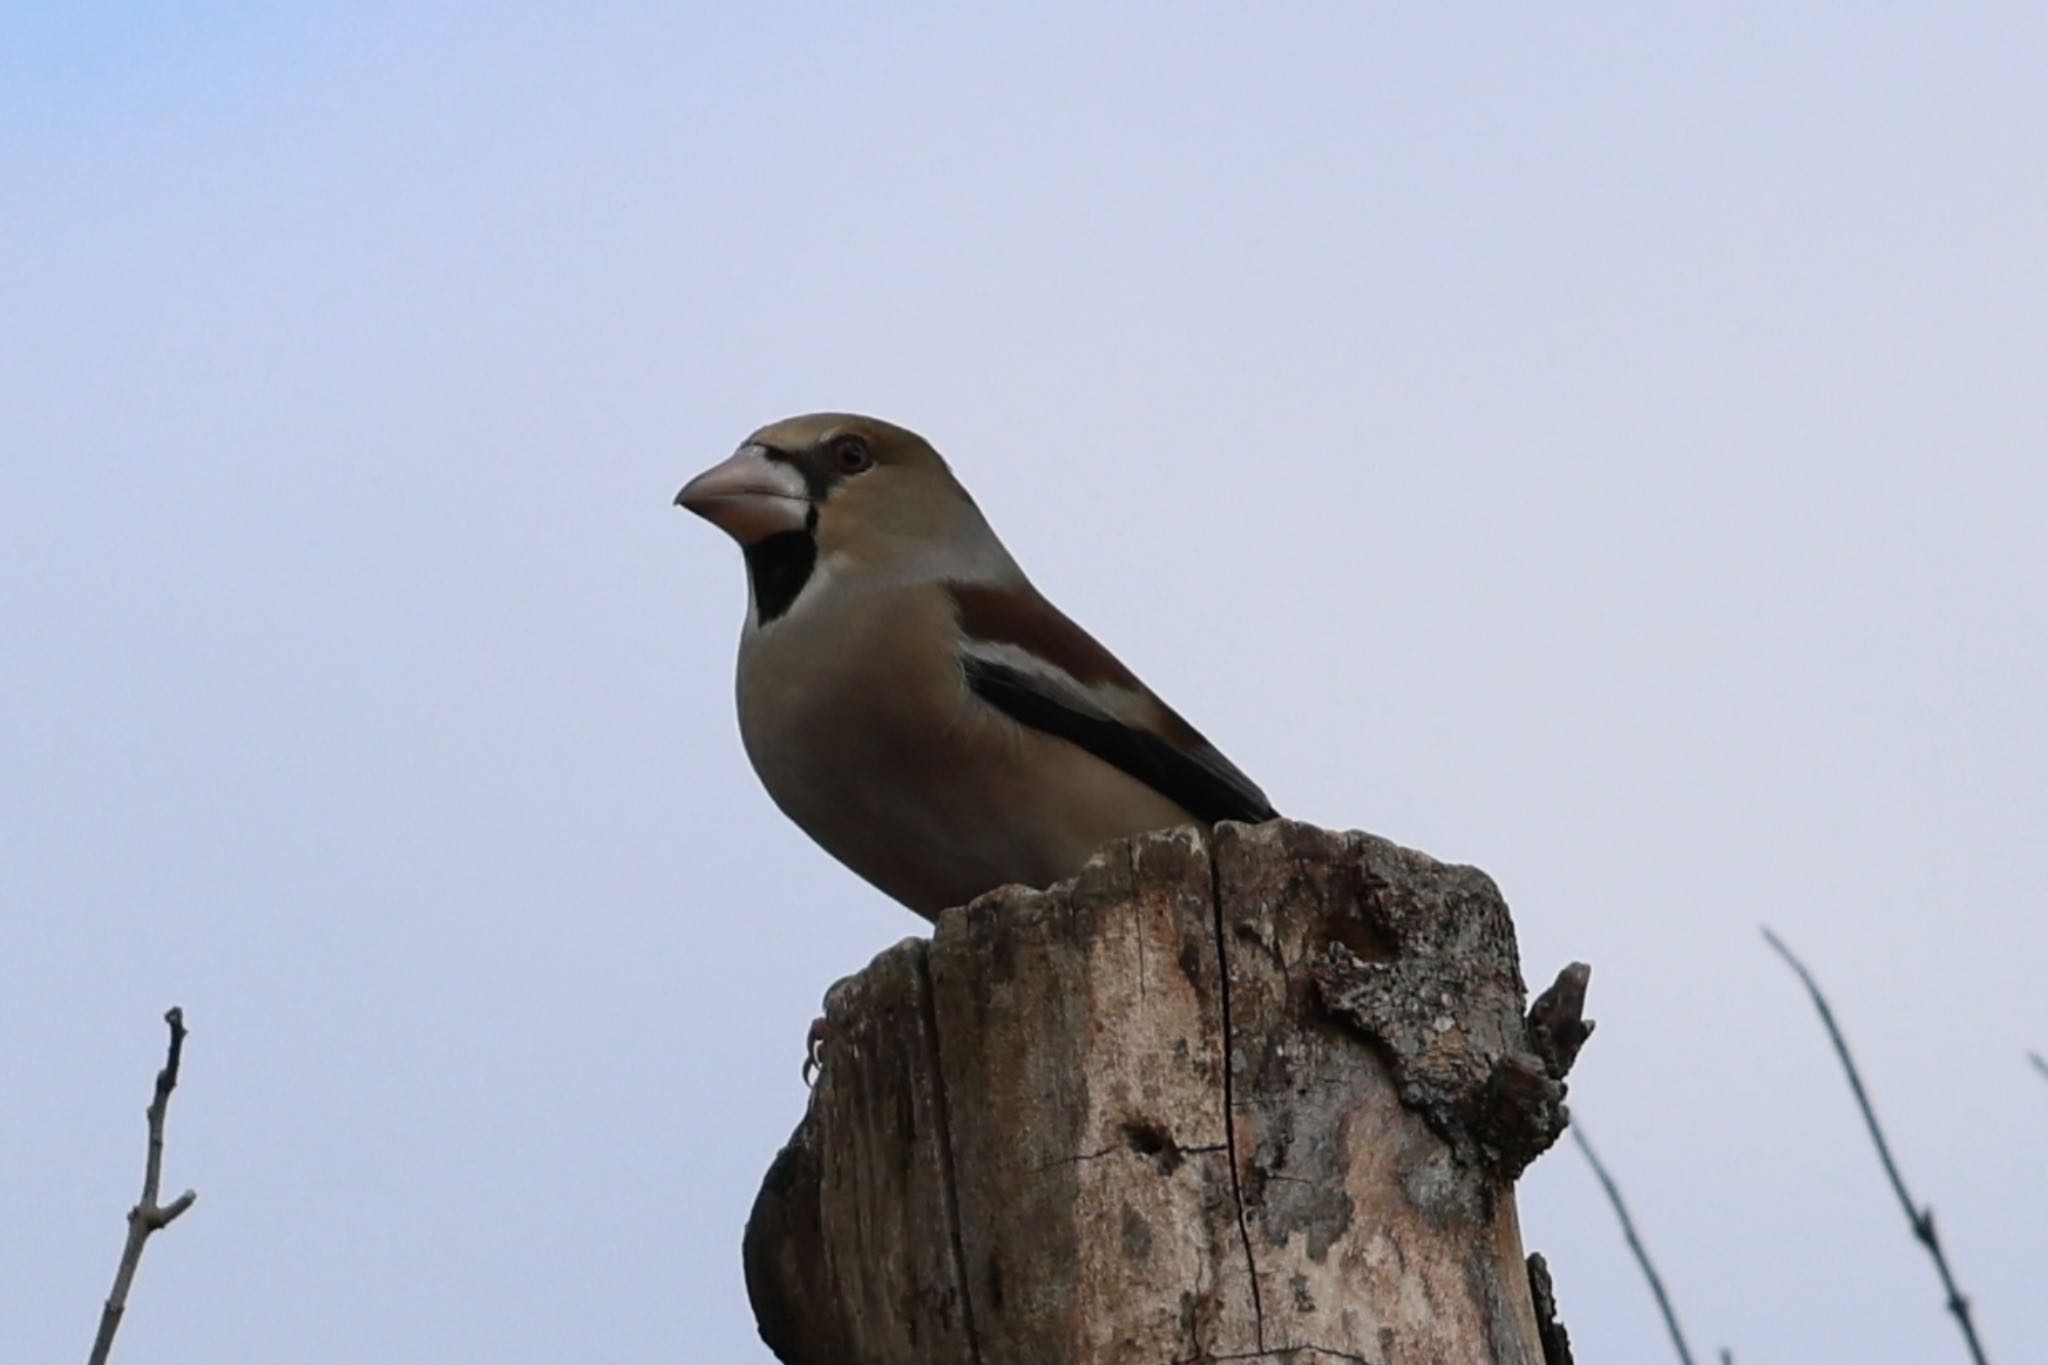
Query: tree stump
point(1255, 1094)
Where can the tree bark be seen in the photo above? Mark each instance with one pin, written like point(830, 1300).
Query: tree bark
point(1255, 1094)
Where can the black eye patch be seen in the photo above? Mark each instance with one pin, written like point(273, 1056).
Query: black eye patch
point(817, 479)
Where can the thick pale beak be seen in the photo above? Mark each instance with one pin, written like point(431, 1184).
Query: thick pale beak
point(750, 497)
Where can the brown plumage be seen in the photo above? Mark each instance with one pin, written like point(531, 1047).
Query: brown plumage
point(910, 700)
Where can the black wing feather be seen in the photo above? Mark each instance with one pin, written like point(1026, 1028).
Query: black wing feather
point(1172, 772)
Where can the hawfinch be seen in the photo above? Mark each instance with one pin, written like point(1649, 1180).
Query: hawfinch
point(906, 695)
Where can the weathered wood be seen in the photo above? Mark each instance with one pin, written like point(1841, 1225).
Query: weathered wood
point(850, 1252)
point(1377, 1229)
point(1085, 1023)
point(1255, 1094)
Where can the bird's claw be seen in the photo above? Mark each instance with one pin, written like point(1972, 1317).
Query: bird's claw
point(814, 1049)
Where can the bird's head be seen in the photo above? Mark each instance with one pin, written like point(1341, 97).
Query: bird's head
point(856, 494)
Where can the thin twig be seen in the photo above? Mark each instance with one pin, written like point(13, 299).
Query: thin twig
point(1921, 1219)
point(1635, 1243)
point(147, 1215)
point(2040, 1062)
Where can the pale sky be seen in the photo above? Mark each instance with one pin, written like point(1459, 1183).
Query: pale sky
point(1606, 447)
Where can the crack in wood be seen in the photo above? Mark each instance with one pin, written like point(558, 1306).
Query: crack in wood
point(1276, 1353)
point(1244, 1232)
point(948, 1182)
point(1082, 1158)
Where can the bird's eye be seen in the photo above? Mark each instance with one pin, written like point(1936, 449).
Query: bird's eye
point(851, 455)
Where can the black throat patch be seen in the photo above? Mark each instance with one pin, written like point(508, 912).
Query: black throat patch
point(778, 568)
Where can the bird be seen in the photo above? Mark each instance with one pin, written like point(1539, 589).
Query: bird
point(910, 700)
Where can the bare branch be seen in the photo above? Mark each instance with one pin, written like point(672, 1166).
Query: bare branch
point(2040, 1062)
point(148, 1215)
point(1635, 1243)
point(1921, 1219)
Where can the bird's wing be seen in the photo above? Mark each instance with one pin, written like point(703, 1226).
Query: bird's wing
point(1022, 655)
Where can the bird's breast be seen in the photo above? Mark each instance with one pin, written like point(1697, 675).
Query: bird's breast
point(862, 729)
